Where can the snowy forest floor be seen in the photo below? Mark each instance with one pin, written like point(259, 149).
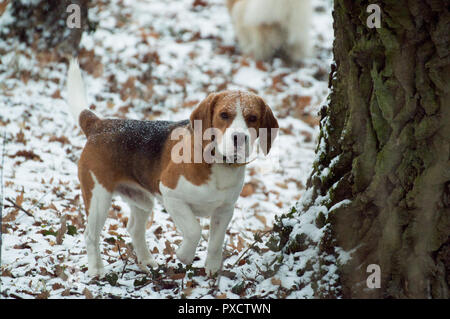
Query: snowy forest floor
point(148, 60)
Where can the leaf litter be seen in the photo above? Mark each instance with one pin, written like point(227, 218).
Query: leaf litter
point(147, 60)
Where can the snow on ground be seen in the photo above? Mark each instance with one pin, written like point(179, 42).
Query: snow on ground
point(147, 60)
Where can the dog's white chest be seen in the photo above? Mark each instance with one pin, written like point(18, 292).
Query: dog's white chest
point(223, 188)
point(226, 177)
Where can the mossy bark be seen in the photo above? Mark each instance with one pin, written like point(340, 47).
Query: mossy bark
point(385, 138)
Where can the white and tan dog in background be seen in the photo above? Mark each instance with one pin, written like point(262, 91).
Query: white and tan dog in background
point(134, 159)
point(265, 27)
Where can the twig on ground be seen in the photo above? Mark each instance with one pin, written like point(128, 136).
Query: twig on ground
point(19, 207)
point(39, 201)
point(121, 258)
point(32, 207)
point(264, 233)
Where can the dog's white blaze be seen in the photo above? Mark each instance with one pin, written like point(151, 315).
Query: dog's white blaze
point(226, 145)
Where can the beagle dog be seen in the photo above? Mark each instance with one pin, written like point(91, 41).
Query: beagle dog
point(136, 160)
point(266, 27)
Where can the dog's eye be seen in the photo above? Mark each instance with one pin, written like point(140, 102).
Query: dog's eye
point(252, 118)
point(224, 115)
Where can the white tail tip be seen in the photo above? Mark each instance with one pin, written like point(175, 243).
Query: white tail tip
point(76, 94)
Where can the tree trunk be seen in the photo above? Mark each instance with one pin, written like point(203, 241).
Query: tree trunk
point(43, 25)
point(380, 187)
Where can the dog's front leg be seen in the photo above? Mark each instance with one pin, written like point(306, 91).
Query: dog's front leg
point(219, 223)
point(186, 222)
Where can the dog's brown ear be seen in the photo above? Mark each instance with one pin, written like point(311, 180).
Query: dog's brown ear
point(205, 111)
point(268, 128)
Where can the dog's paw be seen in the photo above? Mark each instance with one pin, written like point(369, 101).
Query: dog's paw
point(212, 266)
point(147, 263)
point(186, 256)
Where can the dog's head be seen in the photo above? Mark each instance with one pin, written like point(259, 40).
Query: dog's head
point(237, 120)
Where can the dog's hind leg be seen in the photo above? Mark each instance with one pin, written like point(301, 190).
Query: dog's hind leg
point(97, 202)
point(136, 227)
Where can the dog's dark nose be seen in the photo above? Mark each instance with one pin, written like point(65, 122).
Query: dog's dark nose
point(239, 139)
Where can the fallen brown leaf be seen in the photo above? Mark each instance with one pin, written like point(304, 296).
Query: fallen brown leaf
point(199, 3)
point(57, 286)
point(56, 94)
point(168, 250)
point(262, 219)
point(188, 291)
point(62, 230)
point(248, 189)
point(29, 155)
point(20, 137)
point(61, 139)
point(178, 276)
point(275, 281)
point(87, 294)
point(43, 295)
point(241, 243)
point(19, 198)
point(281, 185)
